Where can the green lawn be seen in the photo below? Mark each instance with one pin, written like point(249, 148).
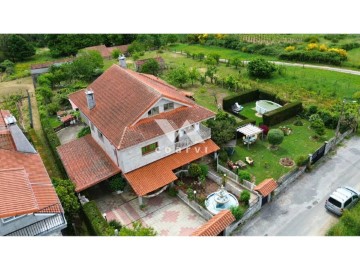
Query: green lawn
point(249, 111)
point(266, 162)
point(311, 86)
point(354, 57)
point(223, 52)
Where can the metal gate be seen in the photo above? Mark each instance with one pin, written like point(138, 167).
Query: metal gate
point(264, 200)
point(318, 154)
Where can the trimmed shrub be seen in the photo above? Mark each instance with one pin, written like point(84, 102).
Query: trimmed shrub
point(244, 175)
point(265, 95)
point(281, 114)
point(190, 194)
point(275, 137)
point(245, 97)
point(265, 129)
point(117, 183)
point(245, 197)
point(98, 224)
point(194, 170)
point(248, 121)
point(237, 212)
point(204, 169)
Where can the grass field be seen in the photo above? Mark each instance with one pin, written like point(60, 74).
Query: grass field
point(311, 86)
point(266, 162)
point(348, 225)
point(223, 52)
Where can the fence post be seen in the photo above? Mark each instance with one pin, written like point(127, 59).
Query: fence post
point(310, 159)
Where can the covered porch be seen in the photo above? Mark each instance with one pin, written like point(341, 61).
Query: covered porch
point(250, 133)
point(152, 179)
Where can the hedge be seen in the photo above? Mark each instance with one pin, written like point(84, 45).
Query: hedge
point(245, 97)
point(247, 121)
point(98, 224)
point(281, 114)
point(249, 96)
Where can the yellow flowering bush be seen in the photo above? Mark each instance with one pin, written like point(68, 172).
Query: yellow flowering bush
point(323, 48)
point(341, 52)
point(290, 48)
point(312, 46)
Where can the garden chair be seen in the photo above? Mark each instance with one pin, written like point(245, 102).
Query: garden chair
point(236, 108)
point(249, 161)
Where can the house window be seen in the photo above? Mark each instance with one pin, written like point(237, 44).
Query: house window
point(153, 111)
point(92, 126)
point(169, 106)
point(149, 148)
point(9, 219)
point(100, 135)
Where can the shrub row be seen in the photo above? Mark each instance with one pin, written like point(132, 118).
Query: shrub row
point(281, 114)
point(313, 56)
point(98, 224)
point(250, 96)
point(244, 97)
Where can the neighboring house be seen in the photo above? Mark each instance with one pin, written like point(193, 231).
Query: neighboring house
point(29, 205)
point(105, 52)
point(37, 69)
point(139, 63)
point(140, 126)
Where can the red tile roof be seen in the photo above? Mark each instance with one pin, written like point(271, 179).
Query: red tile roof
point(6, 140)
point(266, 187)
point(86, 163)
point(67, 118)
point(122, 48)
point(148, 128)
point(25, 186)
point(158, 59)
point(216, 224)
point(48, 64)
point(160, 173)
point(122, 96)
point(3, 114)
point(102, 49)
point(16, 181)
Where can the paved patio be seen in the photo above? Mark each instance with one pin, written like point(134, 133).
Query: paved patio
point(169, 216)
point(69, 133)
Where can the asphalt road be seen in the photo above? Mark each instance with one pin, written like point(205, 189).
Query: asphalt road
point(300, 210)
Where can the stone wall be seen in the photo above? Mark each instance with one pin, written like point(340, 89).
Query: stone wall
point(288, 178)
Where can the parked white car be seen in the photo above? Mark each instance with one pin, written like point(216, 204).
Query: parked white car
point(342, 198)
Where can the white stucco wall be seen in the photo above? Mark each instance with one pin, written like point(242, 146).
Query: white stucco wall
point(131, 158)
point(105, 144)
point(160, 104)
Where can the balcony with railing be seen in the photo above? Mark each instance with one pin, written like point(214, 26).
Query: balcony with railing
point(193, 136)
point(55, 221)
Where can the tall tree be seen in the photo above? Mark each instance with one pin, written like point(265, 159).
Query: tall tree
point(86, 65)
point(194, 74)
point(151, 66)
point(179, 76)
point(16, 48)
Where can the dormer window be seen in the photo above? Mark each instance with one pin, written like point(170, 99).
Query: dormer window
point(169, 106)
point(153, 111)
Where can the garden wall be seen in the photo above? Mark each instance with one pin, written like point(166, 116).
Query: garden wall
point(196, 207)
point(253, 208)
point(288, 178)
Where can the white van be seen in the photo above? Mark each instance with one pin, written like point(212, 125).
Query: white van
point(342, 198)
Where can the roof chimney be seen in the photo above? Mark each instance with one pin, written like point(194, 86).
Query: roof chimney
point(90, 98)
point(122, 61)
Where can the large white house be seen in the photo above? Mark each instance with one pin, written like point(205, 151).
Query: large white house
point(29, 205)
point(140, 126)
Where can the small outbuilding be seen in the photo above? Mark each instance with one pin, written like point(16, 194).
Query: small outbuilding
point(249, 133)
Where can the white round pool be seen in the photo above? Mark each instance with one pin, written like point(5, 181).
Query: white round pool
point(264, 106)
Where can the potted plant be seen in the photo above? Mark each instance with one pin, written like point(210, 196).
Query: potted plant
point(117, 184)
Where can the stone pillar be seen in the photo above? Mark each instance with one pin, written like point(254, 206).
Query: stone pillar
point(140, 200)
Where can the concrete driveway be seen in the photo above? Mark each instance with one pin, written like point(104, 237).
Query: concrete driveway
point(300, 209)
point(169, 216)
point(69, 133)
